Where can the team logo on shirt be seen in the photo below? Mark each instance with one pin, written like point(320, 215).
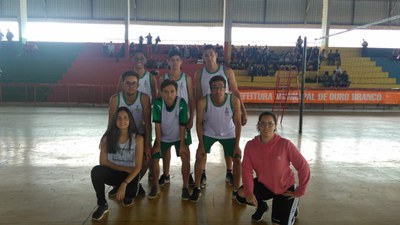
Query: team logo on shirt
point(226, 111)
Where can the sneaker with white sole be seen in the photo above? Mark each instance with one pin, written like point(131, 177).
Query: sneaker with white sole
point(100, 212)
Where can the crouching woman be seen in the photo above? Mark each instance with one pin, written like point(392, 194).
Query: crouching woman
point(121, 154)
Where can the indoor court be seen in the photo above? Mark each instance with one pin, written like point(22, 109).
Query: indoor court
point(46, 154)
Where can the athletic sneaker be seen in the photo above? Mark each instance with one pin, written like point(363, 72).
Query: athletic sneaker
point(100, 212)
point(203, 181)
point(127, 202)
point(229, 177)
point(113, 193)
point(141, 192)
point(258, 215)
point(195, 195)
point(185, 194)
point(191, 181)
point(164, 179)
point(154, 192)
point(234, 194)
point(240, 200)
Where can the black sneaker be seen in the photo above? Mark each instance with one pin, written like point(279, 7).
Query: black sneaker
point(191, 181)
point(195, 195)
point(185, 194)
point(141, 192)
point(258, 215)
point(113, 193)
point(127, 202)
point(234, 194)
point(203, 181)
point(240, 200)
point(229, 177)
point(100, 212)
point(154, 192)
point(164, 179)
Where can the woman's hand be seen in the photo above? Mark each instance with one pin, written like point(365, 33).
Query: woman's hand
point(289, 194)
point(121, 191)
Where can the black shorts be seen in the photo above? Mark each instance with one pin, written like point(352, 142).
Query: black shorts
point(283, 208)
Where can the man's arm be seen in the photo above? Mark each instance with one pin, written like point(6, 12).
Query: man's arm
point(112, 107)
point(190, 103)
point(153, 86)
point(201, 105)
point(235, 91)
point(237, 121)
point(197, 86)
point(147, 124)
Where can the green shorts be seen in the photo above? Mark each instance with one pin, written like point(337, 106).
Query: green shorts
point(227, 144)
point(165, 146)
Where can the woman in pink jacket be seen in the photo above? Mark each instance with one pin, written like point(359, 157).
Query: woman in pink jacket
point(270, 156)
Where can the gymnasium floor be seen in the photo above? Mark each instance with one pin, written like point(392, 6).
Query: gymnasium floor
point(46, 154)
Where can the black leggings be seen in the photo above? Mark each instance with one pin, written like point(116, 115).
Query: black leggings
point(104, 175)
point(283, 208)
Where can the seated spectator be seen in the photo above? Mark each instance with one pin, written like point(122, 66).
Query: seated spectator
point(327, 80)
point(121, 52)
point(344, 80)
point(396, 55)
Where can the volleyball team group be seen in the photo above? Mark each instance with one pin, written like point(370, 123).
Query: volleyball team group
point(127, 152)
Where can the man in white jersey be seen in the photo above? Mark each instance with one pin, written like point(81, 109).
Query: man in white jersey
point(185, 91)
point(170, 115)
point(218, 120)
point(201, 81)
point(148, 83)
point(140, 107)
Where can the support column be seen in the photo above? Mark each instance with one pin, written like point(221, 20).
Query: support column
point(127, 23)
point(325, 24)
point(228, 4)
point(22, 20)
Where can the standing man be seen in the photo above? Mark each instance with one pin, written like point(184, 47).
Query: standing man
point(202, 88)
point(170, 114)
point(218, 119)
point(148, 83)
point(184, 91)
point(148, 86)
point(364, 48)
point(140, 107)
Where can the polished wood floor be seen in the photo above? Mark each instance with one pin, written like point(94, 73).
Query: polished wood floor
point(46, 154)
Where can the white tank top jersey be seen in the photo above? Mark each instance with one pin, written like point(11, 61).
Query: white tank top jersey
point(206, 77)
point(136, 108)
point(145, 84)
point(218, 121)
point(124, 156)
point(182, 86)
point(170, 133)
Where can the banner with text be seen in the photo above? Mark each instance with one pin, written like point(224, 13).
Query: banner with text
point(321, 96)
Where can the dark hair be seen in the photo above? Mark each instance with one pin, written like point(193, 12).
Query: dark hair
point(168, 82)
point(173, 53)
point(268, 113)
point(206, 47)
point(140, 51)
point(112, 133)
point(217, 78)
point(127, 74)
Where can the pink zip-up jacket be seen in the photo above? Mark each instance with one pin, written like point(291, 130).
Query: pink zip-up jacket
point(271, 163)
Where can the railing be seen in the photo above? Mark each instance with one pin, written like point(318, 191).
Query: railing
point(60, 93)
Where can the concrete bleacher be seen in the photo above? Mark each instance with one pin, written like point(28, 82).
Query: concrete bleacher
point(363, 73)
